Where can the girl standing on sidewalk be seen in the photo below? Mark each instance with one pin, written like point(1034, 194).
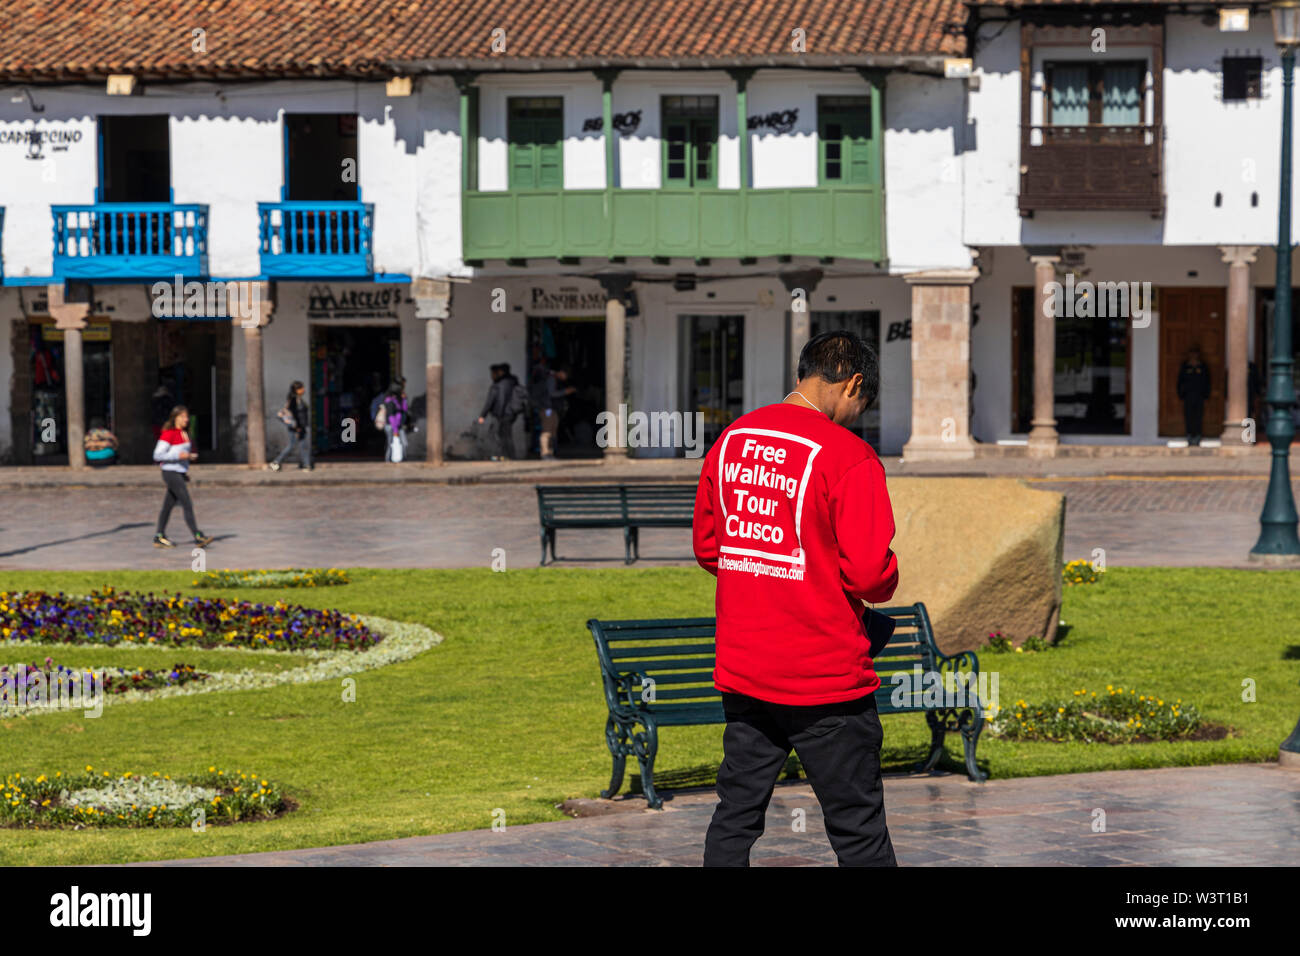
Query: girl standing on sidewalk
point(294, 416)
point(174, 456)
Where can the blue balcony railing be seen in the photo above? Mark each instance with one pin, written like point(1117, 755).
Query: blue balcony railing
point(147, 240)
point(316, 239)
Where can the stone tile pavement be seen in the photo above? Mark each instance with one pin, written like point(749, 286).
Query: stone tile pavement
point(1232, 815)
point(1144, 520)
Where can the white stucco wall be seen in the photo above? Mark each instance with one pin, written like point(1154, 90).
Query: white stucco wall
point(1210, 146)
point(226, 151)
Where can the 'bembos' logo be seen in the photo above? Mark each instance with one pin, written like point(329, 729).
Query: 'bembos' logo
point(762, 476)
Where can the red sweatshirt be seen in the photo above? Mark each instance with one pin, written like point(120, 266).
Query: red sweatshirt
point(793, 517)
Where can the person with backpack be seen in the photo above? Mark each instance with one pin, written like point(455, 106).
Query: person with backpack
point(294, 417)
point(507, 399)
point(173, 455)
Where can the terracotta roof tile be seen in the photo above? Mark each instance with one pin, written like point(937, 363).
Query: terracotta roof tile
point(83, 39)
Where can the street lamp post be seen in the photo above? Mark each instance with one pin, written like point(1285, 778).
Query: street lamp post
point(1277, 542)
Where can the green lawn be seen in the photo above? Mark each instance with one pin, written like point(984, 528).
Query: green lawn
point(508, 712)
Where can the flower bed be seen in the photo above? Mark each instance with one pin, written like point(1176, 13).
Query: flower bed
point(289, 578)
point(23, 679)
point(111, 617)
point(1081, 572)
point(1115, 717)
point(91, 799)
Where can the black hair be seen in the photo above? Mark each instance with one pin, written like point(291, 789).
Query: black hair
point(293, 391)
point(505, 368)
point(837, 356)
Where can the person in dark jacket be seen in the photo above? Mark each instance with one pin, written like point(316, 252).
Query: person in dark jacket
point(1194, 389)
point(295, 419)
point(500, 405)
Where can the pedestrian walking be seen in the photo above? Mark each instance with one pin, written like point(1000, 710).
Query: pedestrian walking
point(294, 417)
point(555, 400)
point(174, 456)
point(506, 400)
point(396, 421)
point(1193, 389)
point(793, 518)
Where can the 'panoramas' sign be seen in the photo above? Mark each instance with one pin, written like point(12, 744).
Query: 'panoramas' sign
point(566, 300)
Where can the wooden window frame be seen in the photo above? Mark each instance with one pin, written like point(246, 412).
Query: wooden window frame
point(691, 143)
point(511, 144)
point(1096, 89)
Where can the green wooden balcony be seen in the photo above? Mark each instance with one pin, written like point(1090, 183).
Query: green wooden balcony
point(823, 221)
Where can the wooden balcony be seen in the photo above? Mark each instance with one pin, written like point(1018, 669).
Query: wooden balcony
point(124, 241)
point(837, 222)
point(1094, 167)
point(316, 239)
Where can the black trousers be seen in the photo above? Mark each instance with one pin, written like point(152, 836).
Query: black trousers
point(177, 492)
point(839, 747)
point(1193, 418)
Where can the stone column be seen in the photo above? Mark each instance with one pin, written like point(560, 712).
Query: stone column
point(70, 317)
point(1043, 438)
point(433, 304)
point(940, 365)
point(616, 288)
point(1236, 355)
point(250, 305)
point(800, 320)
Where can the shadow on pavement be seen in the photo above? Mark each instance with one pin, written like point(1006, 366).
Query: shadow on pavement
point(82, 537)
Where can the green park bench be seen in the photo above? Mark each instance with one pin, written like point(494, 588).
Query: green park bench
point(629, 507)
point(659, 673)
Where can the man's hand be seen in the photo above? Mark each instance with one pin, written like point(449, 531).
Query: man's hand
point(480, 419)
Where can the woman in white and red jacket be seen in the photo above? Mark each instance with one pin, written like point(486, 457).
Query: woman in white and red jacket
point(174, 456)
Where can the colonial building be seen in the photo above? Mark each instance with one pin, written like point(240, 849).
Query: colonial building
point(1134, 144)
point(212, 210)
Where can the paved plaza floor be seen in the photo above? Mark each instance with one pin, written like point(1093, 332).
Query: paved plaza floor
point(341, 516)
point(1238, 815)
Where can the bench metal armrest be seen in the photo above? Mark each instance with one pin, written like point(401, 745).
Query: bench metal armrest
point(967, 663)
point(629, 703)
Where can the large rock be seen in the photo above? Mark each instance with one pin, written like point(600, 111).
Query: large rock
point(983, 554)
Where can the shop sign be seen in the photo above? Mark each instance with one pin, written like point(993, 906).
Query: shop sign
point(356, 302)
point(565, 299)
point(38, 143)
point(93, 332)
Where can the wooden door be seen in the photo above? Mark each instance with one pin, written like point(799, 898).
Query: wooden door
point(1192, 316)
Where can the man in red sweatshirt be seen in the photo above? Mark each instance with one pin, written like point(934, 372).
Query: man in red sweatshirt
point(793, 518)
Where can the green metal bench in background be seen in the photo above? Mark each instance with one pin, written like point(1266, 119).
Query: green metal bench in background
point(629, 507)
point(659, 673)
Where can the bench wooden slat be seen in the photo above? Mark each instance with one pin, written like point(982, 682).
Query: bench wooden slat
point(655, 650)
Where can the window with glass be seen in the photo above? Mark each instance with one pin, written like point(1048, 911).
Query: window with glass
point(535, 130)
point(713, 370)
point(846, 154)
point(1095, 94)
point(690, 141)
